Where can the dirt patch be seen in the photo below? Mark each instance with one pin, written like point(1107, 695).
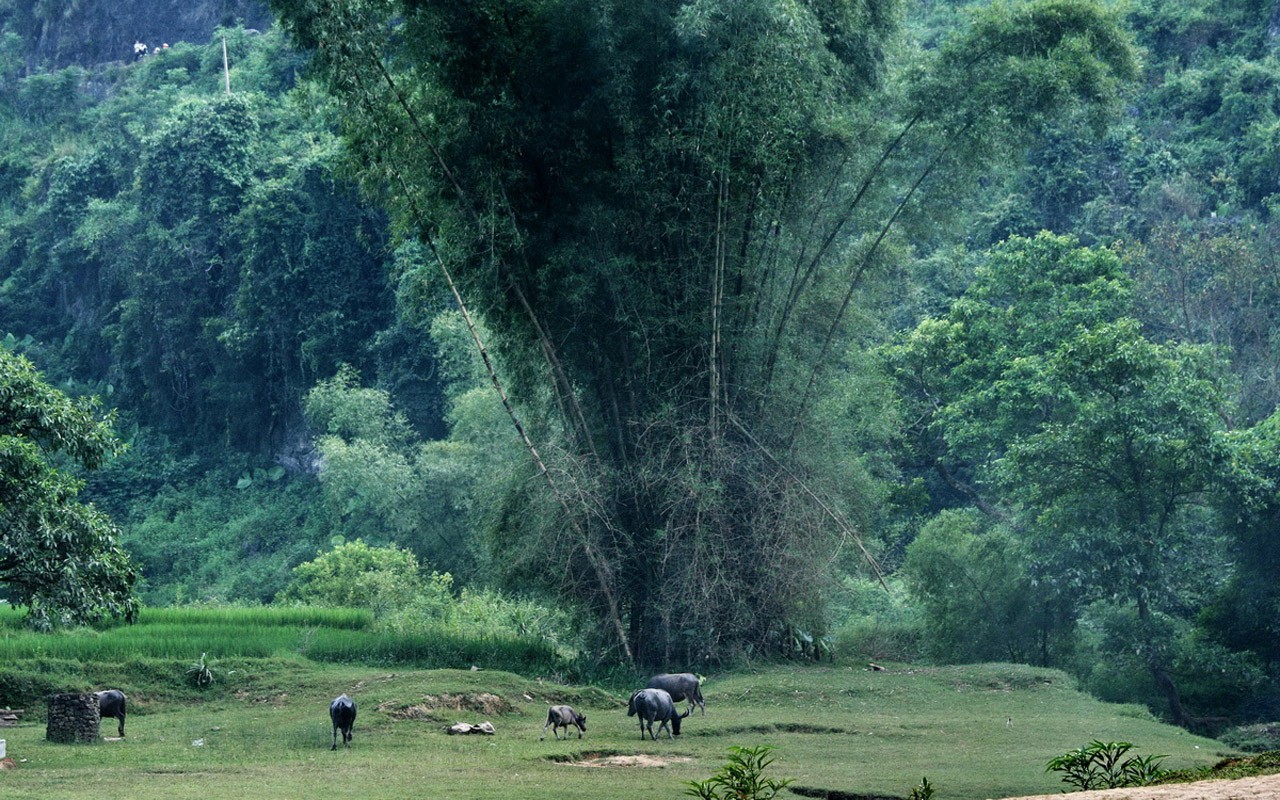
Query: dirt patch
point(1262, 787)
point(380, 679)
point(276, 700)
point(432, 706)
point(781, 727)
point(633, 760)
point(832, 794)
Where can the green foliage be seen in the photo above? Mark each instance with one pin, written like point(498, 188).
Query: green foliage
point(922, 792)
point(1231, 768)
point(1215, 286)
point(356, 575)
point(1261, 737)
point(58, 557)
point(742, 778)
point(1250, 505)
point(383, 482)
point(1102, 765)
point(341, 408)
point(975, 585)
point(1042, 402)
point(51, 98)
point(203, 539)
point(436, 647)
point(484, 613)
point(420, 616)
point(872, 623)
point(1036, 61)
point(666, 212)
point(196, 251)
point(200, 674)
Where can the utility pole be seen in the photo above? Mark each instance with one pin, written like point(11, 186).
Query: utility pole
point(226, 67)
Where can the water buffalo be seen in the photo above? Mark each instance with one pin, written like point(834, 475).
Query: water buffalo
point(343, 713)
point(562, 717)
point(681, 686)
point(111, 704)
point(655, 705)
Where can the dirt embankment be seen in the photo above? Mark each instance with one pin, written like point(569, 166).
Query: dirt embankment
point(1262, 787)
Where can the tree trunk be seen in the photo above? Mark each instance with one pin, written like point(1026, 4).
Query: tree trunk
point(1159, 672)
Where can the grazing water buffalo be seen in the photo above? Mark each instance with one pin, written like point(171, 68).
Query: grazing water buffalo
point(343, 713)
point(111, 704)
point(681, 686)
point(655, 705)
point(562, 717)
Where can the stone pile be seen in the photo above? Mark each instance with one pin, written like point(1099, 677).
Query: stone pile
point(73, 718)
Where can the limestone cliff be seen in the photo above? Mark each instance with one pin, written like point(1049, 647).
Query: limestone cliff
point(59, 33)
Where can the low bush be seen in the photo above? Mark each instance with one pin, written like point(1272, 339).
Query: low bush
point(742, 778)
point(1258, 738)
point(1102, 765)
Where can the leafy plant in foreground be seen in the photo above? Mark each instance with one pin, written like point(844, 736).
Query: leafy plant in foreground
point(200, 673)
point(740, 779)
point(922, 792)
point(1101, 765)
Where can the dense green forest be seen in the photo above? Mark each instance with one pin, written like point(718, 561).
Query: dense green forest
point(683, 331)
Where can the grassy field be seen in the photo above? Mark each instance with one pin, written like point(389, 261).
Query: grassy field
point(261, 731)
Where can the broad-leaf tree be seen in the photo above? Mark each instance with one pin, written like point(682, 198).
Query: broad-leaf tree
point(58, 556)
point(1247, 616)
point(666, 211)
point(973, 578)
point(1045, 406)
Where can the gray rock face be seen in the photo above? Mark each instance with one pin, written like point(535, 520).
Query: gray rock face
point(102, 31)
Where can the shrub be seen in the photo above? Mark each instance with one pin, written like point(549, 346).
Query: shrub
point(1101, 765)
point(922, 792)
point(359, 576)
point(199, 673)
point(742, 778)
point(1259, 738)
point(878, 625)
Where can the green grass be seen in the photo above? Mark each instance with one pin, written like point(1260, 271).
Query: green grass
point(11, 618)
point(265, 734)
point(336, 635)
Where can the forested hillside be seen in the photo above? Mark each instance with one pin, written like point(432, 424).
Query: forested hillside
point(912, 330)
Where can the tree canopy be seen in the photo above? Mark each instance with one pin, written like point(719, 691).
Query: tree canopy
point(59, 557)
point(665, 212)
point(1044, 404)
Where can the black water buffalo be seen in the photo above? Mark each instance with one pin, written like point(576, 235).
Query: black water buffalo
point(681, 686)
point(562, 717)
point(655, 705)
point(343, 713)
point(111, 704)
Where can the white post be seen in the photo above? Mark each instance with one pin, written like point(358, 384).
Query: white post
point(226, 67)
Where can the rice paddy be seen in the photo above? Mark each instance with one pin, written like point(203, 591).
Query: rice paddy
point(333, 635)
